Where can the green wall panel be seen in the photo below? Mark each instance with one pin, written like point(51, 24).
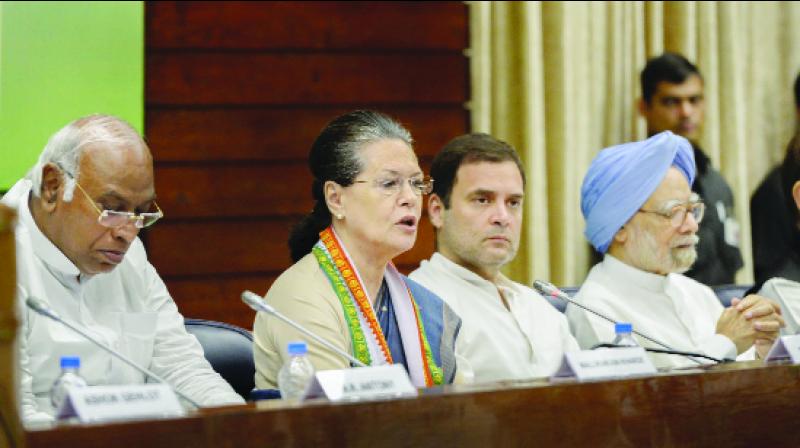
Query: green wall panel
point(60, 61)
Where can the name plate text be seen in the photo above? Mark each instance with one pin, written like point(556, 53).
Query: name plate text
point(108, 403)
point(605, 363)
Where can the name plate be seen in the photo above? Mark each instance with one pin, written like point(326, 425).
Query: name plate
point(108, 403)
point(786, 347)
point(605, 363)
point(362, 383)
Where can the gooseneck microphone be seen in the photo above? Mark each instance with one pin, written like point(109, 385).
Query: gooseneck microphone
point(44, 309)
point(689, 355)
point(255, 302)
point(548, 289)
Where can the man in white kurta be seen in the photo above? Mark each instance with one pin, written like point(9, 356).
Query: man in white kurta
point(641, 213)
point(508, 331)
point(120, 299)
point(673, 309)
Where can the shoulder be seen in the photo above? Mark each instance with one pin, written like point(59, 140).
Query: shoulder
point(425, 274)
point(302, 281)
point(420, 292)
point(597, 285)
point(533, 300)
point(715, 187)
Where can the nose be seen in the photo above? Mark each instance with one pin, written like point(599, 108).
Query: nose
point(500, 214)
point(690, 224)
point(127, 232)
point(407, 196)
point(686, 108)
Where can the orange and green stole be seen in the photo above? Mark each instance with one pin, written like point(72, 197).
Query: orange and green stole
point(369, 342)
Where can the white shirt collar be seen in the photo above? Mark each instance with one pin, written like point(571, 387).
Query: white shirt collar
point(442, 262)
point(42, 246)
point(643, 279)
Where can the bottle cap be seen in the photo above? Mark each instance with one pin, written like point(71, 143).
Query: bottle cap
point(70, 362)
point(623, 328)
point(297, 348)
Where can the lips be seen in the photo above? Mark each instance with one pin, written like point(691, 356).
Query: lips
point(408, 222)
point(499, 238)
point(113, 256)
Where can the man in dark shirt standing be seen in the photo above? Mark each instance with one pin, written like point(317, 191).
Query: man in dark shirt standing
point(776, 237)
point(672, 99)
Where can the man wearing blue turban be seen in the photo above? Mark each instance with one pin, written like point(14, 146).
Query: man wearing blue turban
point(641, 213)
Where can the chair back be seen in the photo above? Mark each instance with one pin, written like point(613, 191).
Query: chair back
point(229, 350)
point(727, 292)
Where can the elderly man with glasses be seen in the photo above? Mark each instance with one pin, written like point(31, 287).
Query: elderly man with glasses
point(641, 213)
point(80, 254)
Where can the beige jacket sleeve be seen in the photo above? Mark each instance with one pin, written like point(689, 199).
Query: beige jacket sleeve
point(304, 294)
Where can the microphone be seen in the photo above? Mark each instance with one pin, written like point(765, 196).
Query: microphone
point(665, 351)
point(255, 302)
point(548, 289)
point(44, 309)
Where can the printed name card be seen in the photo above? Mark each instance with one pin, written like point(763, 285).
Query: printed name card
point(364, 383)
point(107, 403)
point(605, 363)
point(786, 347)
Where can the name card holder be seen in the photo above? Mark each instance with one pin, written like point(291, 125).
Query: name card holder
point(785, 347)
point(605, 363)
point(363, 383)
point(120, 402)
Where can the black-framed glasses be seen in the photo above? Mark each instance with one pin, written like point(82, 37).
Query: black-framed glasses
point(677, 214)
point(390, 186)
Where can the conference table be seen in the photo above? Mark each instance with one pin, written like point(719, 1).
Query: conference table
point(736, 404)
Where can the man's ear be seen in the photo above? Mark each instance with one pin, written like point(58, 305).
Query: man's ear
point(333, 198)
point(796, 194)
point(622, 235)
point(641, 106)
point(52, 187)
point(436, 210)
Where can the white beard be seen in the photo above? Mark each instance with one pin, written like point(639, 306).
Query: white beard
point(645, 253)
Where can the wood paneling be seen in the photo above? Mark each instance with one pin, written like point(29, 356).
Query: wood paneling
point(361, 26)
point(237, 190)
point(226, 246)
point(236, 92)
point(182, 134)
point(208, 78)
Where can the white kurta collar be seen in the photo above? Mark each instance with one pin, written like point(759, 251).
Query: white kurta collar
point(442, 262)
point(645, 280)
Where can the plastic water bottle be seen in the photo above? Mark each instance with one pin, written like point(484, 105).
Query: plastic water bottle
point(68, 379)
point(296, 373)
point(624, 337)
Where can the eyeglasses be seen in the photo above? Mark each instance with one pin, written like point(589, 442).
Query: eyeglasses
point(114, 219)
point(390, 186)
point(677, 214)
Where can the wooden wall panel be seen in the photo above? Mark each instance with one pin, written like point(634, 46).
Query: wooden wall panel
point(308, 25)
point(207, 78)
point(215, 134)
point(235, 94)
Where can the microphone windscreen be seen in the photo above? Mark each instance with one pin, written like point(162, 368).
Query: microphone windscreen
point(40, 306)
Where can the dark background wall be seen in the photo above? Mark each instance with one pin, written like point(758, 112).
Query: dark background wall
point(235, 94)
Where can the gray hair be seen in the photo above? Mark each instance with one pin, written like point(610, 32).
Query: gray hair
point(66, 146)
point(335, 156)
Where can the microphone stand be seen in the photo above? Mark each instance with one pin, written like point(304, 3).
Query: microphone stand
point(42, 308)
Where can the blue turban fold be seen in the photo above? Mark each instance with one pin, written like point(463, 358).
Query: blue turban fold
point(621, 179)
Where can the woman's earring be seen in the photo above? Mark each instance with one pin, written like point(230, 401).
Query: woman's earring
point(339, 216)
